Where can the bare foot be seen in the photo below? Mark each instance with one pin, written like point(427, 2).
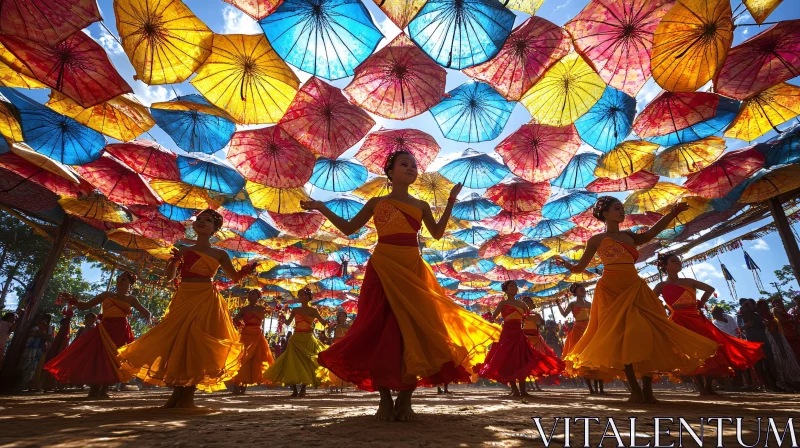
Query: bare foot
point(403, 407)
point(176, 395)
point(187, 398)
point(649, 398)
point(302, 392)
point(385, 408)
point(636, 397)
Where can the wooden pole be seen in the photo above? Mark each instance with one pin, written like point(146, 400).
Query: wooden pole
point(787, 237)
point(9, 374)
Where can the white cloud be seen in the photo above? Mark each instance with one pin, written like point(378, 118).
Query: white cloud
point(647, 94)
point(388, 28)
point(107, 41)
point(744, 17)
point(563, 5)
point(706, 271)
point(760, 244)
point(237, 22)
point(745, 31)
point(150, 94)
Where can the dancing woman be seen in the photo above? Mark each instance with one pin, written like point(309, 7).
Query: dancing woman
point(530, 326)
point(629, 329)
point(339, 331)
point(92, 358)
point(680, 295)
point(580, 310)
point(195, 345)
point(408, 332)
point(257, 355)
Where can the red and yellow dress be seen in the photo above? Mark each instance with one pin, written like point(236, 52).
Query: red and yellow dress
point(628, 324)
point(408, 332)
point(531, 330)
point(338, 333)
point(92, 358)
point(195, 343)
point(257, 355)
point(732, 353)
point(298, 364)
point(513, 357)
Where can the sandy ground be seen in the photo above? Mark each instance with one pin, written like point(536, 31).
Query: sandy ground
point(472, 416)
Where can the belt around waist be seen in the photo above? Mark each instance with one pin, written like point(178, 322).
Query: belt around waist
point(400, 239)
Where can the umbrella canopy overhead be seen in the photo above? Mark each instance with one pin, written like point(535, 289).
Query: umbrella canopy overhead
point(47, 21)
point(474, 170)
point(672, 112)
point(719, 178)
point(475, 208)
point(210, 173)
point(609, 121)
point(118, 182)
point(726, 112)
point(432, 188)
point(627, 158)
point(761, 9)
point(682, 160)
point(194, 124)
point(567, 204)
point(379, 145)
point(123, 118)
point(640, 180)
point(338, 175)
point(401, 12)
point(270, 156)
point(537, 152)
point(764, 111)
point(147, 158)
point(519, 196)
point(472, 112)
point(653, 199)
point(767, 184)
point(578, 173)
point(257, 9)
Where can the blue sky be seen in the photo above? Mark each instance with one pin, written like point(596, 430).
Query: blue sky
point(224, 18)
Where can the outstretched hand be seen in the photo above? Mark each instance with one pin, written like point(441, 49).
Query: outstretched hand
point(563, 263)
point(455, 191)
point(679, 208)
point(312, 205)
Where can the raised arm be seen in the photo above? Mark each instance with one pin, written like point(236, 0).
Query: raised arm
point(290, 319)
point(564, 311)
point(660, 226)
point(588, 254)
point(140, 308)
point(707, 289)
point(437, 229)
point(174, 262)
point(96, 300)
point(344, 226)
point(229, 270)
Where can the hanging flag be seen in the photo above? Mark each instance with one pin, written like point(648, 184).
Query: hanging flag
point(727, 274)
point(750, 263)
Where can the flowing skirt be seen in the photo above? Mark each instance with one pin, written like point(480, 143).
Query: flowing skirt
point(92, 358)
point(257, 357)
point(787, 368)
point(629, 325)
point(408, 332)
point(298, 363)
point(514, 358)
point(195, 344)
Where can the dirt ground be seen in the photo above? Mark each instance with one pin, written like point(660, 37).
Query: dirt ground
point(472, 416)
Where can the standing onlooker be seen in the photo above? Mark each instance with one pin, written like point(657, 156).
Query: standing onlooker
point(89, 322)
point(724, 322)
point(32, 360)
point(7, 325)
point(755, 330)
point(60, 342)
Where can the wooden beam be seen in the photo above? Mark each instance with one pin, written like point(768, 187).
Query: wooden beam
point(787, 236)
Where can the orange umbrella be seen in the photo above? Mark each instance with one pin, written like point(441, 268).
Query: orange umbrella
point(687, 158)
point(719, 178)
point(118, 182)
point(769, 184)
point(764, 111)
point(761, 9)
point(123, 118)
point(14, 73)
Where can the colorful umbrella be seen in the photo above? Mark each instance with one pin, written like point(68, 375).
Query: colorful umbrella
point(639, 180)
point(351, 255)
point(95, 206)
point(277, 200)
point(123, 118)
point(672, 112)
point(302, 224)
point(653, 199)
point(321, 119)
point(567, 204)
point(165, 42)
point(379, 145)
point(401, 12)
point(784, 149)
point(770, 183)
point(616, 37)
point(344, 207)
point(64, 183)
point(472, 112)
point(270, 156)
point(54, 135)
point(475, 235)
point(287, 271)
point(761, 9)
point(763, 61)
point(260, 230)
point(47, 21)
point(132, 240)
point(118, 182)
point(566, 91)
point(432, 188)
point(194, 124)
point(719, 178)
point(506, 222)
point(697, 206)
point(626, 159)
point(682, 160)
point(578, 173)
point(726, 112)
point(158, 228)
point(475, 208)
point(399, 81)
point(640, 219)
point(327, 38)
point(245, 77)
point(208, 172)
point(764, 111)
point(182, 195)
point(587, 220)
point(9, 124)
point(474, 170)
point(461, 33)
point(257, 9)
point(548, 228)
point(690, 43)
point(326, 269)
point(530, 50)
point(537, 153)
point(176, 213)
point(375, 187)
point(147, 158)
point(527, 249)
point(445, 243)
point(518, 195)
point(241, 221)
point(550, 267)
point(609, 121)
point(338, 175)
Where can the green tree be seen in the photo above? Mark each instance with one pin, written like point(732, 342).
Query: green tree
point(67, 277)
point(21, 251)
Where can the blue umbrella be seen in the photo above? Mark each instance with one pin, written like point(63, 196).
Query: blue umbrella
point(176, 213)
point(578, 173)
point(241, 206)
point(482, 266)
point(351, 255)
point(547, 292)
point(201, 128)
point(472, 112)
point(475, 235)
point(54, 135)
point(447, 282)
point(730, 199)
point(548, 228)
point(783, 150)
point(461, 33)
point(464, 252)
point(474, 170)
point(290, 270)
point(726, 112)
point(327, 38)
point(527, 249)
point(549, 267)
point(344, 207)
point(470, 294)
point(671, 234)
point(260, 230)
point(274, 288)
point(239, 254)
point(498, 286)
point(335, 284)
point(432, 257)
point(210, 173)
point(567, 204)
point(338, 175)
point(475, 208)
point(331, 303)
point(609, 121)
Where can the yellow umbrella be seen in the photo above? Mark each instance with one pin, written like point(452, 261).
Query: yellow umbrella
point(365, 241)
point(276, 200)
point(264, 265)
point(527, 6)
point(559, 244)
point(247, 78)
point(580, 277)
point(432, 188)
point(9, 125)
point(627, 158)
point(777, 181)
point(401, 12)
point(132, 240)
point(697, 206)
point(191, 106)
point(164, 41)
point(378, 186)
point(14, 72)
point(45, 163)
point(683, 160)
point(566, 91)
point(279, 242)
point(95, 206)
point(654, 199)
point(447, 242)
point(182, 194)
point(577, 252)
point(123, 118)
point(320, 246)
point(764, 111)
point(162, 253)
point(761, 9)
point(690, 44)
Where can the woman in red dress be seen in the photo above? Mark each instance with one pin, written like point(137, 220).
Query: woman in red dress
point(257, 356)
point(680, 295)
point(513, 358)
point(530, 326)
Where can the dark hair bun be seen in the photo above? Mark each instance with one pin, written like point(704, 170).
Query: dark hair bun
point(602, 205)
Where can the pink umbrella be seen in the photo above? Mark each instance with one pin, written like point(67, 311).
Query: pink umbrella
point(671, 112)
point(507, 222)
point(118, 182)
point(519, 196)
point(719, 178)
point(538, 152)
point(381, 144)
point(587, 220)
point(303, 225)
point(47, 21)
point(235, 221)
point(147, 158)
point(498, 245)
point(158, 228)
point(640, 180)
point(271, 157)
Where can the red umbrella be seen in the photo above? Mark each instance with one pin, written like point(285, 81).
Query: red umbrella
point(640, 219)
point(399, 81)
point(761, 62)
point(587, 220)
point(118, 182)
point(326, 269)
point(671, 112)
point(381, 144)
point(78, 67)
point(528, 52)
point(500, 274)
point(321, 119)
point(578, 235)
point(47, 21)
point(640, 180)
point(147, 158)
point(498, 245)
point(158, 228)
point(518, 195)
point(616, 36)
point(240, 244)
point(538, 152)
point(719, 178)
point(53, 182)
point(23, 194)
point(235, 221)
point(507, 222)
point(271, 157)
point(303, 225)
point(257, 9)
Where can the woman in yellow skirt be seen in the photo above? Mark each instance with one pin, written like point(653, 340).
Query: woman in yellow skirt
point(298, 363)
point(257, 355)
point(628, 329)
point(195, 346)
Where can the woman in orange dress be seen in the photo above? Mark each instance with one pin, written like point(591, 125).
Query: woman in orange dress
point(530, 326)
point(408, 331)
point(580, 310)
point(92, 358)
point(257, 355)
point(195, 345)
point(628, 329)
point(681, 297)
point(513, 358)
point(339, 331)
